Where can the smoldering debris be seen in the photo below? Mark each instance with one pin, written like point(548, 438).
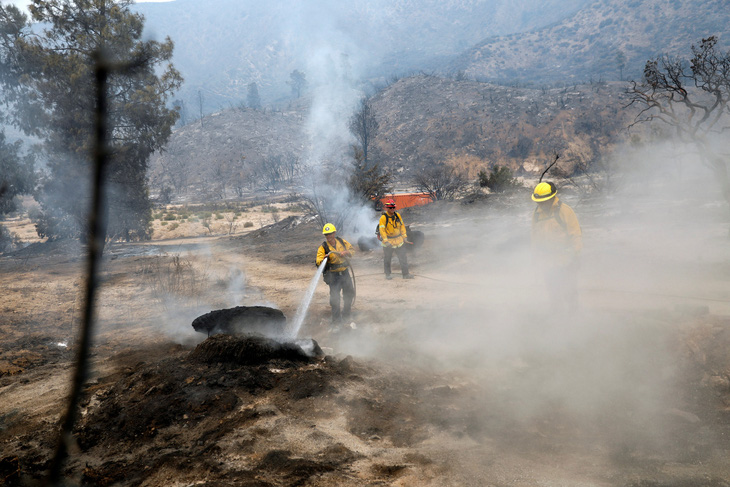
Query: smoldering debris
point(242, 320)
point(250, 350)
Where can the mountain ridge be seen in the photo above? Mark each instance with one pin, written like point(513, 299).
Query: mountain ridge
point(223, 45)
point(588, 44)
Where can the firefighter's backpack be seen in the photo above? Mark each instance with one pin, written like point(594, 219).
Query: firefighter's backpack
point(395, 217)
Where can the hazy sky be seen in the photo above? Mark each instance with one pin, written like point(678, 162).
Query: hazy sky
point(24, 3)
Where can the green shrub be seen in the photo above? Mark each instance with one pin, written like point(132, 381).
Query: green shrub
point(173, 227)
point(248, 225)
point(499, 180)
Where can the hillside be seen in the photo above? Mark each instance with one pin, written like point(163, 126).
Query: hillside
point(229, 151)
point(424, 120)
point(586, 45)
point(223, 45)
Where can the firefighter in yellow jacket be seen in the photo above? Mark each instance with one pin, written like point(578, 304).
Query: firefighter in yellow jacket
point(556, 242)
point(336, 274)
point(394, 238)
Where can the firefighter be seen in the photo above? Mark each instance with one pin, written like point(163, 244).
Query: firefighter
point(556, 242)
point(394, 238)
point(336, 274)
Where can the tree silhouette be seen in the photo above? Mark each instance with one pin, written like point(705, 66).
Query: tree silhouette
point(298, 83)
point(252, 98)
point(364, 126)
point(693, 98)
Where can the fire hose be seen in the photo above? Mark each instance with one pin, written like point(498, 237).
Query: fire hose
point(354, 282)
point(588, 289)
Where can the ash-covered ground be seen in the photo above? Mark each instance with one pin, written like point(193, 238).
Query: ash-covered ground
point(463, 376)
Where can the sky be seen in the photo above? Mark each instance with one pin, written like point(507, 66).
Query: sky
point(24, 3)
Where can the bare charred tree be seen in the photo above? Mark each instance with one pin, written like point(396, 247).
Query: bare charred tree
point(441, 182)
point(200, 106)
point(326, 200)
point(322, 202)
point(276, 172)
point(176, 172)
point(220, 176)
point(692, 97)
point(364, 126)
point(239, 176)
point(230, 218)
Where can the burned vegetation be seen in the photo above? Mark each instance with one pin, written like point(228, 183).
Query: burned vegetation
point(245, 412)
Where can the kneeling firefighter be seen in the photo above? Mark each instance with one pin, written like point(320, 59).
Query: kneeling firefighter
point(336, 274)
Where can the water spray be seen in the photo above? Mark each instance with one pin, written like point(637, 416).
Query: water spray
point(293, 330)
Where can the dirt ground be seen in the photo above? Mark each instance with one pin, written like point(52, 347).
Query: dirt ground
point(464, 376)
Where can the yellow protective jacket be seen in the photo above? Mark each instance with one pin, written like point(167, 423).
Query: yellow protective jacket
point(556, 234)
point(335, 262)
point(392, 230)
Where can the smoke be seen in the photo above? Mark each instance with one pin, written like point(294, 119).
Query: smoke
point(332, 63)
point(655, 242)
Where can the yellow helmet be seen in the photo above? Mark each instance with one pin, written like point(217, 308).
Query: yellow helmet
point(328, 228)
point(544, 191)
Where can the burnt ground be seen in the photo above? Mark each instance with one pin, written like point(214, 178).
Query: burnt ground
point(460, 377)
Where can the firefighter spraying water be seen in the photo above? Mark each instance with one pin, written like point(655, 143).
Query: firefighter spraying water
point(336, 251)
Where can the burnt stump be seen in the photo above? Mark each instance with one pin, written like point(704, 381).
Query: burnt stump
point(242, 320)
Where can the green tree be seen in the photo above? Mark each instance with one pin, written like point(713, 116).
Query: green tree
point(367, 181)
point(16, 178)
point(13, 24)
point(57, 66)
point(498, 180)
